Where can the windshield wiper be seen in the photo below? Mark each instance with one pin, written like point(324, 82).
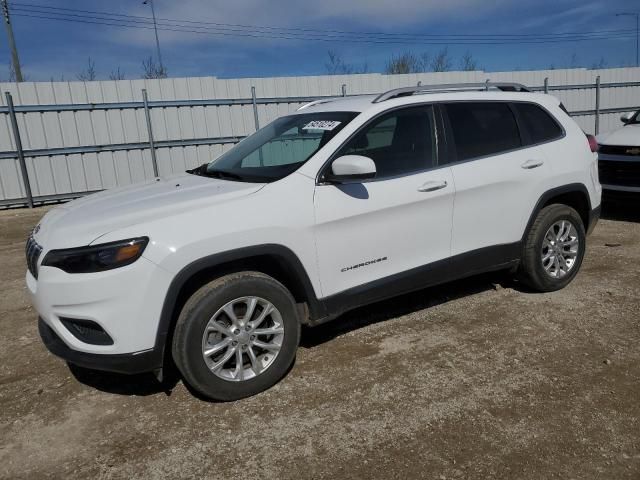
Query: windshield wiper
point(221, 174)
point(199, 170)
point(203, 171)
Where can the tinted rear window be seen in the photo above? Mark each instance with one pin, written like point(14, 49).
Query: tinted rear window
point(482, 128)
point(540, 126)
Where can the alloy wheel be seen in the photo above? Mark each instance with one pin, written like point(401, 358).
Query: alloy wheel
point(242, 339)
point(560, 248)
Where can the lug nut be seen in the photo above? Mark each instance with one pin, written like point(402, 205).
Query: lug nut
point(234, 343)
point(236, 332)
point(244, 347)
point(247, 328)
point(252, 338)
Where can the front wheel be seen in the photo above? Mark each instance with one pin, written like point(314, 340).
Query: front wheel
point(554, 249)
point(236, 336)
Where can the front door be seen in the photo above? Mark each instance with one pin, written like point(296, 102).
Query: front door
point(401, 220)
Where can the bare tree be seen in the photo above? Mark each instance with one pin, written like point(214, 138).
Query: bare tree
point(150, 69)
point(12, 75)
point(573, 62)
point(116, 74)
point(425, 61)
point(468, 63)
point(337, 66)
point(441, 62)
point(406, 62)
point(89, 73)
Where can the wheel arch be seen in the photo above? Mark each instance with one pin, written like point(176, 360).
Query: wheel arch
point(574, 195)
point(274, 260)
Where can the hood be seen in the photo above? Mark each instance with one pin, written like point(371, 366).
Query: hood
point(629, 135)
point(84, 220)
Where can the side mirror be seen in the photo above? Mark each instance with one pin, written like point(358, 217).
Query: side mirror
point(627, 117)
point(349, 168)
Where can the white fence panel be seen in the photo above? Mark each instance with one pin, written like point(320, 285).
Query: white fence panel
point(63, 174)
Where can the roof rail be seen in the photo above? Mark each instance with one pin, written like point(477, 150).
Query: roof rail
point(450, 87)
point(317, 102)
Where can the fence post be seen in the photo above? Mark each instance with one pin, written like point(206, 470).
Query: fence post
point(152, 146)
point(486, 83)
point(597, 126)
point(546, 84)
point(19, 151)
point(344, 89)
point(255, 108)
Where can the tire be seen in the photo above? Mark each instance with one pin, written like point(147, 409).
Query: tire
point(211, 308)
point(537, 253)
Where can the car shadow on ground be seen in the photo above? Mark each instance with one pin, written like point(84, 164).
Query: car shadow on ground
point(406, 304)
point(138, 385)
point(147, 383)
point(621, 207)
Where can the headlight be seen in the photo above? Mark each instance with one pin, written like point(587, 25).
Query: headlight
point(96, 258)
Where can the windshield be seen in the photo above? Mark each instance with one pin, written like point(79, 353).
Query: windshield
point(278, 149)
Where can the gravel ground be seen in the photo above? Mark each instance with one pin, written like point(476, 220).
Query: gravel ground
point(475, 379)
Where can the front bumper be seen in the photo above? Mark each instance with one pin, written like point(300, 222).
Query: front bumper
point(130, 363)
point(125, 302)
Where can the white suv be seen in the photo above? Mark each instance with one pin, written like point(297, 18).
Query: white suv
point(345, 202)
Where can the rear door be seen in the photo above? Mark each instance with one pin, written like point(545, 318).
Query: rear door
point(498, 172)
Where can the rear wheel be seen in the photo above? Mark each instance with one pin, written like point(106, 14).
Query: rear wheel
point(554, 249)
point(236, 336)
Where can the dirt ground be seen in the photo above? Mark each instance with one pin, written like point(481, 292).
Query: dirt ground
point(475, 379)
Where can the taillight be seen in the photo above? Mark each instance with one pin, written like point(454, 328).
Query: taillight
point(593, 143)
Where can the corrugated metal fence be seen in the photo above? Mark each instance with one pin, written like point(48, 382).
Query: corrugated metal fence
point(80, 137)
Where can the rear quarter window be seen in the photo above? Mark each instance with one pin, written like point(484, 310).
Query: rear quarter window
point(539, 126)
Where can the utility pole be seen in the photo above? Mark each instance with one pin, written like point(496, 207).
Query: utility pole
point(637, 15)
point(155, 29)
point(15, 61)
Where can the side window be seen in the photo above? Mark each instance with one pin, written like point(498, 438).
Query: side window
point(482, 128)
point(399, 142)
point(540, 126)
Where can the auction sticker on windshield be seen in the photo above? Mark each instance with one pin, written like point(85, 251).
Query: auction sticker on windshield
point(321, 125)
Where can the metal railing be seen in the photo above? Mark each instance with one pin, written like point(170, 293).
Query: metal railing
point(20, 153)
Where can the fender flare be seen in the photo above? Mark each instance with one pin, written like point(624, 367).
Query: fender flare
point(282, 253)
point(549, 194)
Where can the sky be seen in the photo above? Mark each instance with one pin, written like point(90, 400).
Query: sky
point(60, 49)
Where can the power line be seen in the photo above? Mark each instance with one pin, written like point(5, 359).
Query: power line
point(217, 31)
point(43, 11)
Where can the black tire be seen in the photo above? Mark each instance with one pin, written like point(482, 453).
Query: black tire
point(199, 309)
point(531, 271)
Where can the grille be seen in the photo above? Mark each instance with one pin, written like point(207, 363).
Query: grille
point(618, 150)
point(87, 331)
point(625, 174)
point(33, 251)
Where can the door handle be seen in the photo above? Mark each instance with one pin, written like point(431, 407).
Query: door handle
point(529, 164)
point(432, 186)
